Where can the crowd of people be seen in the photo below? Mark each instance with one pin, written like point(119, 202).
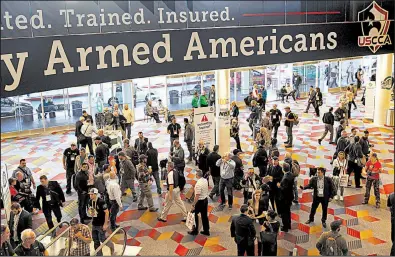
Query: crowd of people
point(105, 176)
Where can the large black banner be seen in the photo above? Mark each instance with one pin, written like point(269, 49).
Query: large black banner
point(47, 63)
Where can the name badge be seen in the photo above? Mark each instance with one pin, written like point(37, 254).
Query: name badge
point(72, 157)
point(175, 132)
point(320, 191)
point(48, 198)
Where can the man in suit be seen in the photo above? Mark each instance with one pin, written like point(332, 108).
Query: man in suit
point(324, 191)
point(19, 221)
point(286, 196)
point(243, 231)
point(152, 160)
point(141, 144)
point(52, 199)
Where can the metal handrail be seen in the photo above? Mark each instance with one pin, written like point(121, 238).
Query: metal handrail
point(108, 239)
point(59, 236)
point(52, 229)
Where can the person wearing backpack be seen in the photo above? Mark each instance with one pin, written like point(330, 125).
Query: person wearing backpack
point(260, 159)
point(324, 191)
point(173, 193)
point(332, 243)
point(329, 121)
point(290, 121)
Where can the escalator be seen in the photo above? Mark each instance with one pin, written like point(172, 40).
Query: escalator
point(56, 242)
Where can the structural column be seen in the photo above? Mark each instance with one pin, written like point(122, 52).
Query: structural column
point(222, 87)
point(383, 88)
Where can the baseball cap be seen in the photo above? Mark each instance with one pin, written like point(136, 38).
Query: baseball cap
point(93, 191)
point(236, 151)
point(74, 222)
point(336, 224)
point(97, 138)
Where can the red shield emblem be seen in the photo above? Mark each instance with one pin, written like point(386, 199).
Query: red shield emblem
point(375, 25)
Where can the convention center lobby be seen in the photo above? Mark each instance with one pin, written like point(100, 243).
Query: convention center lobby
point(124, 87)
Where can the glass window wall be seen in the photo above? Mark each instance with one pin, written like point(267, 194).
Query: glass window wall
point(64, 107)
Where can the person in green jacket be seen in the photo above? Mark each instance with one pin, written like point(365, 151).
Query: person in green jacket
point(203, 100)
point(195, 100)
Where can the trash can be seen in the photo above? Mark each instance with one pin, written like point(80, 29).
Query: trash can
point(390, 118)
point(27, 113)
point(77, 108)
point(173, 94)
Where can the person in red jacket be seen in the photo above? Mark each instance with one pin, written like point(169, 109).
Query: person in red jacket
point(373, 168)
point(13, 191)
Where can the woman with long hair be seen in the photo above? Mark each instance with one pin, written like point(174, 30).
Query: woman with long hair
point(234, 132)
point(339, 169)
point(264, 135)
point(318, 102)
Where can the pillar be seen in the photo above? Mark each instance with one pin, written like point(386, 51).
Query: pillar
point(382, 101)
point(222, 88)
point(245, 82)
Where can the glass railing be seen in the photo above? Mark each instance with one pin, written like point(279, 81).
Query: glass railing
point(59, 244)
point(114, 245)
point(52, 231)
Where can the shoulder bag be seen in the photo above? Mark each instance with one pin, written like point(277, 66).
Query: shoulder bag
point(81, 137)
point(269, 236)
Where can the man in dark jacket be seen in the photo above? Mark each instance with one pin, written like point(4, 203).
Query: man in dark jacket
point(243, 231)
point(312, 99)
point(324, 191)
point(188, 137)
point(277, 174)
point(101, 153)
point(339, 130)
point(81, 186)
point(152, 161)
point(329, 121)
point(52, 199)
point(214, 170)
point(24, 221)
point(286, 196)
point(141, 144)
point(364, 141)
point(260, 159)
point(105, 139)
point(128, 172)
point(239, 170)
point(354, 154)
point(78, 126)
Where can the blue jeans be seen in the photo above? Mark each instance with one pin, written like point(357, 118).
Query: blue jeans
point(295, 189)
point(98, 237)
point(228, 184)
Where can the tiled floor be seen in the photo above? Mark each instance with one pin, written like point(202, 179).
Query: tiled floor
point(366, 228)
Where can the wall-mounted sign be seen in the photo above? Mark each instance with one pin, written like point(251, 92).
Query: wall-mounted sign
point(204, 120)
point(370, 94)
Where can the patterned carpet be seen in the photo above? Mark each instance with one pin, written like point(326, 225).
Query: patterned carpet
point(366, 228)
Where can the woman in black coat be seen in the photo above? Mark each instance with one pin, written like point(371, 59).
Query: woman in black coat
point(272, 226)
point(201, 158)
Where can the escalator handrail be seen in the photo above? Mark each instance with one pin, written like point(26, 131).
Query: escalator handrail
point(108, 239)
point(40, 237)
point(59, 236)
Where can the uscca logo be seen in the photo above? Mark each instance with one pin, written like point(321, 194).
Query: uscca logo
point(386, 83)
point(375, 25)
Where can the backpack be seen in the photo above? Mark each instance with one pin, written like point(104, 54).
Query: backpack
point(179, 179)
point(247, 100)
point(296, 119)
point(135, 158)
point(295, 168)
point(330, 248)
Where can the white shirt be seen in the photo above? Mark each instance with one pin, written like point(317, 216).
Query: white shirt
point(114, 191)
point(170, 178)
point(201, 188)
